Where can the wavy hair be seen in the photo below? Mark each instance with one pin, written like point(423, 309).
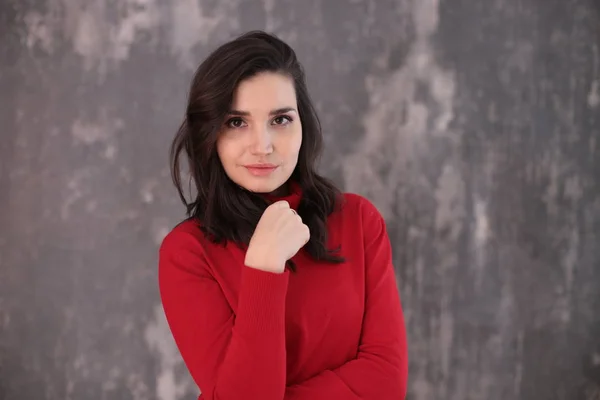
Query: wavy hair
point(226, 211)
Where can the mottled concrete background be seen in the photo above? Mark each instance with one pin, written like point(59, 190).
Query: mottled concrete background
point(473, 125)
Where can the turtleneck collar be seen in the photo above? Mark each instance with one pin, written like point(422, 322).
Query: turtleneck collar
point(293, 197)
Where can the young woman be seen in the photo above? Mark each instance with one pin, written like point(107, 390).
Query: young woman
point(277, 286)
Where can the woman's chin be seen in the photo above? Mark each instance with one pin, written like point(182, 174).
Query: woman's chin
point(262, 186)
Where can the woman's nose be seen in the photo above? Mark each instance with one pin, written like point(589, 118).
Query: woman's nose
point(262, 142)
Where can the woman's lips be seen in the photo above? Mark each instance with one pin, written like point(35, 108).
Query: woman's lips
point(261, 169)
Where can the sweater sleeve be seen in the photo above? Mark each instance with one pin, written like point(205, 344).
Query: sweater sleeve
point(380, 370)
point(229, 355)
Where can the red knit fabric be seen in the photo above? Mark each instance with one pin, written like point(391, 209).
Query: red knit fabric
point(327, 331)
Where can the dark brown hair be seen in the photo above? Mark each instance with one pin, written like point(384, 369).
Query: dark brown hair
point(226, 211)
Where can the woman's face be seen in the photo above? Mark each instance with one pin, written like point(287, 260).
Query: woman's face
point(259, 143)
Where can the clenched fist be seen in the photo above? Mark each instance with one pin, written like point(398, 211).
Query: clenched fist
point(278, 236)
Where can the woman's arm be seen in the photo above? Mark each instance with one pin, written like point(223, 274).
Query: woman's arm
point(230, 356)
point(380, 370)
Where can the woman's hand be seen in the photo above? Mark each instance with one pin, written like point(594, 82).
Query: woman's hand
point(279, 235)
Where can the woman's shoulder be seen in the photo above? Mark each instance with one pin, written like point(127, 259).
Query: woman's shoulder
point(186, 234)
point(358, 205)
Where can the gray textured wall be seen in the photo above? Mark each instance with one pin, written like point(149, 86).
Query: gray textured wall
point(473, 125)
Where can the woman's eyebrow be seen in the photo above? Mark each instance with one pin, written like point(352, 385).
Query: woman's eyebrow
point(282, 110)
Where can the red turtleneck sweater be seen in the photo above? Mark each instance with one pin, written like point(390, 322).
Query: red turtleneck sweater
point(327, 331)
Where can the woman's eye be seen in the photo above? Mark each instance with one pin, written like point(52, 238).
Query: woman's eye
point(282, 120)
point(235, 123)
